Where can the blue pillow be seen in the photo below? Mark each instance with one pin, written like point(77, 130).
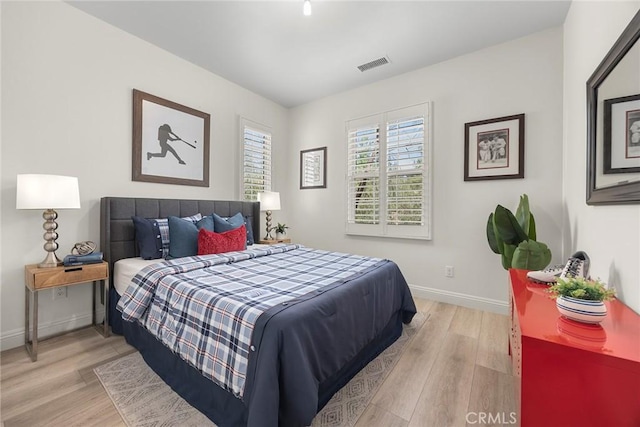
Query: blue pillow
point(163, 224)
point(147, 237)
point(220, 225)
point(183, 236)
point(247, 223)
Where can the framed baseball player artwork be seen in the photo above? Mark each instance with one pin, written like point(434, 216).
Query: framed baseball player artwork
point(170, 142)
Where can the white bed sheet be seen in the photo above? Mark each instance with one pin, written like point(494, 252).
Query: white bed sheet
point(125, 269)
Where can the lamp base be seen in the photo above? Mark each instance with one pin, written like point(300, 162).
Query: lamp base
point(268, 235)
point(50, 226)
point(51, 260)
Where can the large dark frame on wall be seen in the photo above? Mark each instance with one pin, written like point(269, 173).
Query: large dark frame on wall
point(622, 193)
point(160, 154)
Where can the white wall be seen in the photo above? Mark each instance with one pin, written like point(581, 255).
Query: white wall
point(67, 81)
point(609, 234)
point(521, 76)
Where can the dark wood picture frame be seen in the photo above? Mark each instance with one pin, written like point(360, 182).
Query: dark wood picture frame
point(494, 148)
point(612, 143)
point(180, 161)
point(313, 168)
point(623, 192)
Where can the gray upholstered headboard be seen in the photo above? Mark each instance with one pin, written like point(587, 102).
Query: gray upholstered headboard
point(117, 237)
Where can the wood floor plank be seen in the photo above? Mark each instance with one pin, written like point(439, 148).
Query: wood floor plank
point(13, 398)
point(445, 396)
point(467, 322)
point(493, 343)
point(120, 345)
point(50, 352)
point(492, 394)
point(86, 407)
point(374, 416)
point(423, 305)
point(400, 391)
point(44, 370)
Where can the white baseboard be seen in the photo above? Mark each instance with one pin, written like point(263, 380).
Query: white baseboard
point(15, 338)
point(465, 300)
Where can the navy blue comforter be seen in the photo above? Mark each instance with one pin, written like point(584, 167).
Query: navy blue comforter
point(302, 350)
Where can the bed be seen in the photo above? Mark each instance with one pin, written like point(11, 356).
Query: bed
point(339, 312)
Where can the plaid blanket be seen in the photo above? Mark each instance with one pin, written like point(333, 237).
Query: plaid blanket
point(204, 308)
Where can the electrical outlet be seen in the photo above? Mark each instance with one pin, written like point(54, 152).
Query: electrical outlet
point(448, 270)
point(60, 292)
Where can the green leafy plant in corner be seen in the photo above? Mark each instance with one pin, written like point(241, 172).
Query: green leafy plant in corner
point(281, 228)
point(581, 288)
point(513, 237)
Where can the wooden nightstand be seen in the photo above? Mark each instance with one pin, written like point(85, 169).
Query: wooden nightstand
point(38, 279)
point(274, 241)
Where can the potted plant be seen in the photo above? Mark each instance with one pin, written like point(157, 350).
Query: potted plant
point(581, 299)
point(281, 230)
point(513, 237)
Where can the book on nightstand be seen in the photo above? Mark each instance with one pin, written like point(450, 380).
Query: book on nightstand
point(92, 258)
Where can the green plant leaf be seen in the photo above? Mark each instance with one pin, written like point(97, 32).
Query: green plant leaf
point(532, 228)
point(507, 255)
point(523, 213)
point(491, 235)
point(531, 255)
point(507, 227)
point(579, 287)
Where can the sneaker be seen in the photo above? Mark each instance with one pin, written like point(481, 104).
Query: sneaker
point(546, 276)
point(577, 266)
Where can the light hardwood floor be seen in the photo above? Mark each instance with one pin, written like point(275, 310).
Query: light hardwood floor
point(456, 364)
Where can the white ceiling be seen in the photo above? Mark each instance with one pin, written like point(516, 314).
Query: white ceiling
point(270, 48)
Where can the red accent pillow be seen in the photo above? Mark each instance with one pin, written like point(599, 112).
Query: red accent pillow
point(210, 242)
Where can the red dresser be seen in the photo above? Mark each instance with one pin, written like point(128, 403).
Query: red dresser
point(568, 373)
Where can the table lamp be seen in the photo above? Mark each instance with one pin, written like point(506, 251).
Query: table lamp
point(48, 192)
point(269, 201)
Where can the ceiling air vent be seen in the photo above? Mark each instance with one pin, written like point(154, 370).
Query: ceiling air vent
point(373, 64)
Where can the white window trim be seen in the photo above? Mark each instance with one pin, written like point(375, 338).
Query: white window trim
point(244, 122)
point(383, 229)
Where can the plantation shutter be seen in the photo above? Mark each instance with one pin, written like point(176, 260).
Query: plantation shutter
point(256, 162)
point(388, 174)
point(408, 187)
point(363, 170)
point(405, 160)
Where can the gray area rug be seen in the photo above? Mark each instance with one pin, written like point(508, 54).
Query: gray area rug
point(144, 400)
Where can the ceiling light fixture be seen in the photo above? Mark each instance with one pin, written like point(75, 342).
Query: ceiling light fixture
point(306, 8)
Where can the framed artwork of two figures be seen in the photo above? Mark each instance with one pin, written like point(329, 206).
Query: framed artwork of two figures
point(494, 148)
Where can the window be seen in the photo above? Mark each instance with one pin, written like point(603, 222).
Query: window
point(388, 168)
point(256, 160)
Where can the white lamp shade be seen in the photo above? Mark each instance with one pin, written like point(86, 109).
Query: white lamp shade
point(35, 191)
point(269, 201)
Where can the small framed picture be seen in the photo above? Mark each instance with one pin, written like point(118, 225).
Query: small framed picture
point(313, 168)
point(494, 148)
point(170, 142)
point(621, 142)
